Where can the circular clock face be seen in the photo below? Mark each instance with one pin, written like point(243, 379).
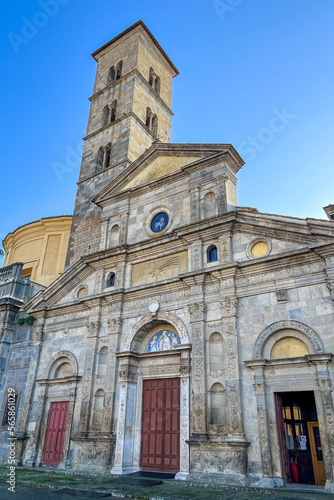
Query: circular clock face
point(159, 222)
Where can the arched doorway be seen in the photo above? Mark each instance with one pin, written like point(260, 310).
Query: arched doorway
point(153, 400)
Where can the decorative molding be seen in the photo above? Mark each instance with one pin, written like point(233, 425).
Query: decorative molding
point(93, 328)
point(291, 325)
point(127, 375)
point(114, 324)
point(229, 305)
point(146, 323)
point(62, 354)
point(197, 311)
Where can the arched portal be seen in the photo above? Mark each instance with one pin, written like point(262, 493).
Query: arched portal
point(154, 369)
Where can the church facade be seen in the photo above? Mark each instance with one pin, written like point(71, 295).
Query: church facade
point(188, 334)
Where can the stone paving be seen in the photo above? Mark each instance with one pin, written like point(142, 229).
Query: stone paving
point(39, 484)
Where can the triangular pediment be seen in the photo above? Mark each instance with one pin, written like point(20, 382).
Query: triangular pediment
point(160, 166)
point(64, 290)
point(161, 160)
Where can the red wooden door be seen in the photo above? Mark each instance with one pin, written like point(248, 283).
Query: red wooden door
point(55, 435)
point(160, 443)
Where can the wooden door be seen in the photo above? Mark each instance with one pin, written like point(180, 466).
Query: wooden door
point(282, 440)
point(316, 452)
point(55, 435)
point(160, 441)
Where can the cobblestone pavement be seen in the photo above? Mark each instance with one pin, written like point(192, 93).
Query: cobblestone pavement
point(42, 485)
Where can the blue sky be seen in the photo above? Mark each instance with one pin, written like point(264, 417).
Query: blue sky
point(256, 73)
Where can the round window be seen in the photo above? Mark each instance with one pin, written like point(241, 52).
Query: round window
point(159, 222)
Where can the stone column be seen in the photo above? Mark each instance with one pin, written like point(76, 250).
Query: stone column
point(104, 231)
point(222, 198)
point(32, 448)
point(225, 252)
point(114, 329)
point(126, 421)
point(260, 391)
point(27, 403)
point(123, 228)
point(196, 256)
point(198, 400)
point(326, 424)
point(93, 327)
point(184, 421)
point(228, 303)
point(195, 209)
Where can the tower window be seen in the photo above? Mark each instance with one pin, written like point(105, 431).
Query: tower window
point(99, 159)
point(154, 80)
point(111, 75)
point(105, 115)
point(157, 85)
point(103, 157)
point(115, 73)
point(148, 118)
point(119, 68)
point(111, 280)
point(151, 77)
point(151, 121)
point(113, 111)
point(154, 125)
point(107, 155)
point(212, 253)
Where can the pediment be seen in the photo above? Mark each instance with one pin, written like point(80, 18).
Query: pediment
point(161, 160)
point(160, 166)
point(64, 290)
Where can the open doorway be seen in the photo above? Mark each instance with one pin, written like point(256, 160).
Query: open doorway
point(298, 428)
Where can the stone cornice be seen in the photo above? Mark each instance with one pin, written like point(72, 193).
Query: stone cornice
point(265, 267)
point(65, 380)
point(322, 358)
point(140, 25)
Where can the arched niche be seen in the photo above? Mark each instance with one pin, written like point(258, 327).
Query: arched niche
point(215, 349)
point(114, 236)
point(284, 329)
point(64, 362)
point(101, 365)
point(98, 410)
point(217, 404)
point(149, 324)
point(209, 204)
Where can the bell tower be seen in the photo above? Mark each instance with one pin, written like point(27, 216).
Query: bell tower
point(130, 109)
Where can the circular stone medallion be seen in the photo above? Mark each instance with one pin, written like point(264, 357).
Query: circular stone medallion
point(154, 306)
